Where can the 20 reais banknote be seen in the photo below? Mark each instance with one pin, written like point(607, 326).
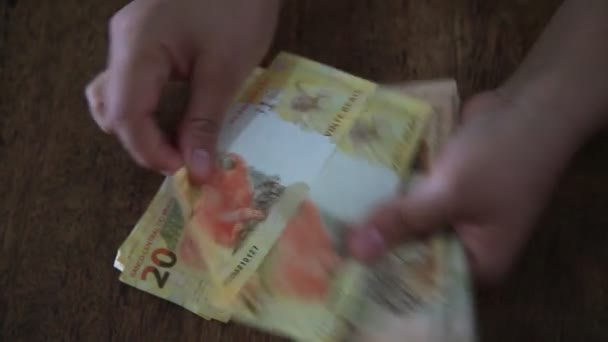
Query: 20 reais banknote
point(305, 152)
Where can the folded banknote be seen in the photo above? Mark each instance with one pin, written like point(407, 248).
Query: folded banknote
point(305, 152)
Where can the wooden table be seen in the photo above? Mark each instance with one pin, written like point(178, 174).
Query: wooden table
point(70, 195)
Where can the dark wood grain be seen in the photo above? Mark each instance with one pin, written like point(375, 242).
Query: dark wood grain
point(70, 194)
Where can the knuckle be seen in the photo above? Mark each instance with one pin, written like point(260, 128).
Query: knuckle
point(117, 118)
point(224, 71)
point(89, 92)
point(203, 126)
point(94, 98)
point(127, 21)
point(404, 221)
point(121, 22)
point(446, 185)
point(142, 162)
point(131, 18)
point(447, 190)
point(149, 159)
point(488, 273)
point(452, 191)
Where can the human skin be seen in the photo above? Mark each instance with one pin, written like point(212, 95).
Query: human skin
point(491, 181)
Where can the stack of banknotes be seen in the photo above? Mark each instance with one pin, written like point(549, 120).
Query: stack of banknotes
point(305, 152)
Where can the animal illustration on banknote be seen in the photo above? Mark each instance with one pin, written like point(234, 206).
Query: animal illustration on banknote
point(266, 192)
point(304, 257)
point(371, 137)
point(227, 201)
point(304, 102)
point(306, 105)
point(232, 202)
point(365, 131)
point(302, 263)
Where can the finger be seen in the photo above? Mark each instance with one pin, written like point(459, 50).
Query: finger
point(491, 250)
point(480, 103)
point(212, 90)
point(95, 94)
point(134, 83)
point(417, 214)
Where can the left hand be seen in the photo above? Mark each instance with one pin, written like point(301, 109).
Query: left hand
point(213, 44)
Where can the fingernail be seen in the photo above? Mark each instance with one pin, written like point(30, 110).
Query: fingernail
point(200, 162)
point(368, 243)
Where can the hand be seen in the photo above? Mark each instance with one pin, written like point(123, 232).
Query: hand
point(490, 184)
point(493, 179)
point(214, 44)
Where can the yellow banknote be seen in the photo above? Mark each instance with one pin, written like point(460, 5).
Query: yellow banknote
point(442, 95)
point(160, 257)
point(388, 130)
point(273, 143)
point(420, 292)
point(307, 289)
point(161, 260)
point(235, 229)
point(305, 151)
point(296, 289)
point(312, 95)
point(329, 297)
point(458, 314)
point(234, 224)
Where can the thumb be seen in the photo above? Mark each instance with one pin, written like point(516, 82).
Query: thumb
point(418, 213)
point(211, 92)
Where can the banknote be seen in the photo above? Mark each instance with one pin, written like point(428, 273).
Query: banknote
point(159, 258)
point(386, 130)
point(308, 288)
point(458, 316)
point(418, 293)
point(263, 241)
point(272, 161)
point(312, 95)
point(321, 294)
point(155, 260)
point(442, 95)
point(456, 320)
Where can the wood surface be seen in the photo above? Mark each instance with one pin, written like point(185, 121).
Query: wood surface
point(70, 194)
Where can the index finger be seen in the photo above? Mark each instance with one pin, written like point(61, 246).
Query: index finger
point(134, 86)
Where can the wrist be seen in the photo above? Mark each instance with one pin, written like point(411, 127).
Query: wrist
point(544, 136)
point(563, 77)
point(557, 112)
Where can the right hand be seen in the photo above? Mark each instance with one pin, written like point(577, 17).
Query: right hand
point(214, 44)
point(490, 184)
